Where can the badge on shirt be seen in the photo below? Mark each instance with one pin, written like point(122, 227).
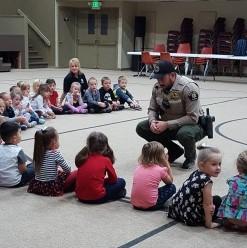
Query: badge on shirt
point(174, 95)
point(193, 96)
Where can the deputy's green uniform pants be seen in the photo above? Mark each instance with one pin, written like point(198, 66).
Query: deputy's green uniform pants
point(187, 136)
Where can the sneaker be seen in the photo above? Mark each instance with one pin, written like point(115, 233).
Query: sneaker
point(188, 163)
point(32, 124)
point(120, 107)
point(23, 127)
point(41, 121)
point(107, 110)
point(83, 111)
point(135, 107)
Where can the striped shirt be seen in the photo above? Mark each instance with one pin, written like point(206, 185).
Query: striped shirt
point(49, 168)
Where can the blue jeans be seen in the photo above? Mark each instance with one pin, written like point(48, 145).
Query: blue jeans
point(113, 192)
point(26, 176)
point(164, 193)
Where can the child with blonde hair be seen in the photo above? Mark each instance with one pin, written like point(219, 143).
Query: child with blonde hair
point(73, 99)
point(36, 84)
point(9, 112)
point(75, 75)
point(124, 95)
point(234, 206)
point(20, 111)
point(194, 204)
point(152, 169)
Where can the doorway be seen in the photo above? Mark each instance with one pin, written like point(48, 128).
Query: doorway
point(97, 38)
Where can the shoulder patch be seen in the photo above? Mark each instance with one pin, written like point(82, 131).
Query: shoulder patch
point(193, 96)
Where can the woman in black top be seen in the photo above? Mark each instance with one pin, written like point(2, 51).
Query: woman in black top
point(75, 75)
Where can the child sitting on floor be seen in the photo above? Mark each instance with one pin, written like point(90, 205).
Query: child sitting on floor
point(36, 84)
point(94, 161)
point(234, 206)
point(194, 204)
point(152, 169)
point(20, 111)
point(9, 112)
point(13, 169)
point(52, 173)
point(73, 100)
point(107, 94)
point(26, 104)
point(124, 95)
point(53, 98)
point(92, 98)
point(40, 102)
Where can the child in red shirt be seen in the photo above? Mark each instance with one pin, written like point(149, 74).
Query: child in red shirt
point(94, 161)
point(54, 103)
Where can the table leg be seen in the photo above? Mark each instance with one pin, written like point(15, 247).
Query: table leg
point(186, 65)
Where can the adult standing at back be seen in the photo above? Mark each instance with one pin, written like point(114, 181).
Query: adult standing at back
point(173, 114)
point(75, 75)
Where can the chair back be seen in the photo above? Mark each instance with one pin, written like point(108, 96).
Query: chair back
point(147, 58)
point(202, 61)
point(160, 48)
point(166, 56)
point(182, 48)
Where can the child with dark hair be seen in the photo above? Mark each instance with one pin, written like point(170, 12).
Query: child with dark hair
point(13, 169)
point(94, 161)
point(152, 169)
point(53, 98)
point(194, 204)
point(92, 98)
point(107, 94)
point(47, 160)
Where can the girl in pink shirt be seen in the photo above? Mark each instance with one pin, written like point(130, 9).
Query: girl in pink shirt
point(152, 169)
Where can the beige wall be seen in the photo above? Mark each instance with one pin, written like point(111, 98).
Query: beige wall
point(9, 7)
point(42, 13)
point(127, 30)
point(170, 15)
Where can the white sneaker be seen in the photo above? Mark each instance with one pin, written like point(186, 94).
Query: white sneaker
point(32, 124)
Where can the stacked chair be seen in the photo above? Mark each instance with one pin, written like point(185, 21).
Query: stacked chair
point(186, 30)
point(173, 40)
point(239, 43)
point(224, 46)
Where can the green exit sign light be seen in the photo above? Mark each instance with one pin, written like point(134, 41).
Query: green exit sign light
point(96, 5)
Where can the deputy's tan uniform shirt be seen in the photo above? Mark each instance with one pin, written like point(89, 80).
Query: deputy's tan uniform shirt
point(179, 106)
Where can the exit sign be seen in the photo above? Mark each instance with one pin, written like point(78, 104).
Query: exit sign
point(95, 4)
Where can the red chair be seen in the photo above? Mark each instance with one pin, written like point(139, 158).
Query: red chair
point(148, 61)
point(166, 56)
point(182, 48)
point(159, 48)
point(203, 61)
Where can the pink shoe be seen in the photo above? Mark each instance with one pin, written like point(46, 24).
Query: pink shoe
point(83, 111)
point(84, 105)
